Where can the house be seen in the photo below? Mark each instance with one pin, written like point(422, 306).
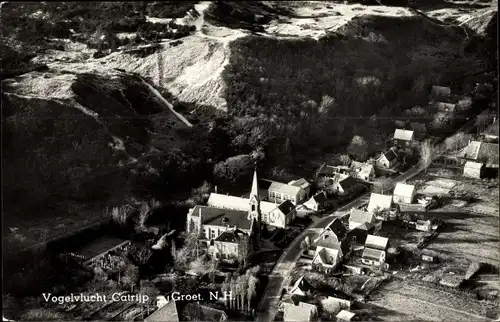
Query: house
point(106, 252)
point(359, 217)
point(357, 236)
point(387, 159)
point(316, 202)
point(403, 138)
point(363, 171)
point(343, 304)
point(404, 193)
point(491, 132)
point(444, 107)
point(481, 152)
point(210, 222)
point(279, 192)
point(166, 313)
point(301, 312)
point(335, 229)
point(423, 225)
point(473, 169)
point(379, 202)
point(343, 184)
point(329, 171)
point(231, 244)
point(329, 253)
point(439, 92)
point(302, 183)
point(374, 251)
point(197, 312)
point(302, 288)
point(345, 316)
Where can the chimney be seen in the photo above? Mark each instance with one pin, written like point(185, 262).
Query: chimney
point(494, 119)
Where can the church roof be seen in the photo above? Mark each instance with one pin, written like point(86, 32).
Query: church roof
point(222, 217)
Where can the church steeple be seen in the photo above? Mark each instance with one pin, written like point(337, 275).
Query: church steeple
point(255, 186)
point(254, 213)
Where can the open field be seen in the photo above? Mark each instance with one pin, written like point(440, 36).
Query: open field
point(430, 304)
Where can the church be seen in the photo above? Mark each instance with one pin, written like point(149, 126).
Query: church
point(228, 213)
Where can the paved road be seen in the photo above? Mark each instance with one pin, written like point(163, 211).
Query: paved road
point(280, 275)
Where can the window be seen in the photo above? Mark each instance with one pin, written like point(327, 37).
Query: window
point(212, 233)
point(293, 200)
point(253, 207)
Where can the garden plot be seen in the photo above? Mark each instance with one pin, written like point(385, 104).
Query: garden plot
point(438, 187)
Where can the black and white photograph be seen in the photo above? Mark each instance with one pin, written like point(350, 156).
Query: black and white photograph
point(168, 161)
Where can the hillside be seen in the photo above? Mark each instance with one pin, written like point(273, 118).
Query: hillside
point(82, 131)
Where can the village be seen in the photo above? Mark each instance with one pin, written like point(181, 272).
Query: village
point(410, 231)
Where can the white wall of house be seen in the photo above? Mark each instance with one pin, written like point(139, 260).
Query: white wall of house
point(384, 163)
point(404, 199)
point(279, 197)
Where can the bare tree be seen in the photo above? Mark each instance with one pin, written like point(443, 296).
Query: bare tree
point(252, 288)
point(345, 159)
point(457, 141)
point(383, 185)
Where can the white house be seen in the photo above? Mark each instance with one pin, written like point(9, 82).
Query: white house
point(363, 171)
point(403, 138)
point(404, 193)
point(345, 316)
point(387, 159)
point(423, 225)
point(302, 183)
point(374, 251)
point(335, 229)
point(359, 217)
point(301, 312)
point(380, 202)
point(279, 192)
point(343, 184)
point(473, 169)
point(316, 202)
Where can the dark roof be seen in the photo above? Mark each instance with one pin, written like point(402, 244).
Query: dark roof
point(304, 285)
point(222, 217)
point(488, 152)
point(205, 313)
point(231, 236)
point(348, 183)
point(167, 313)
point(320, 197)
point(337, 227)
point(371, 253)
point(301, 183)
point(390, 155)
point(286, 207)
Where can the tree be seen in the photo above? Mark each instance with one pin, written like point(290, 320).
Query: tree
point(481, 122)
point(130, 276)
point(358, 148)
point(427, 154)
point(345, 159)
point(383, 184)
point(252, 287)
point(457, 141)
point(232, 168)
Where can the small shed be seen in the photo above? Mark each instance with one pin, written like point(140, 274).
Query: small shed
point(473, 170)
point(423, 225)
point(427, 258)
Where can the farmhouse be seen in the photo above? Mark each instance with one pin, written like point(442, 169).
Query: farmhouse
point(106, 252)
point(374, 252)
point(301, 312)
point(403, 138)
point(165, 313)
point(343, 184)
point(329, 253)
point(280, 192)
point(387, 159)
point(316, 202)
point(379, 202)
point(335, 229)
point(359, 217)
point(363, 171)
point(302, 183)
point(231, 244)
point(404, 193)
point(473, 170)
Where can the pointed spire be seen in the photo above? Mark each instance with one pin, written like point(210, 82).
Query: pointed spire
point(255, 185)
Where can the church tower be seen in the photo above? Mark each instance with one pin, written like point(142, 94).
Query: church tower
point(254, 213)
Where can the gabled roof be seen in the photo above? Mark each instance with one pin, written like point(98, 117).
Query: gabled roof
point(365, 227)
point(303, 285)
point(345, 315)
point(347, 183)
point(389, 155)
point(404, 190)
point(360, 216)
point(379, 201)
point(236, 203)
point(231, 236)
point(474, 165)
point(423, 222)
point(326, 256)
point(481, 151)
point(205, 313)
point(338, 228)
point(222, 217)
point(371, 253)
point(167, 313)
point(376, 242)
point(286, 207)
point(320, 198)
point(405, 135)
point(492, 129)
point(301, 312)
point(303, 183)
point(333, 244)
point(284, 188)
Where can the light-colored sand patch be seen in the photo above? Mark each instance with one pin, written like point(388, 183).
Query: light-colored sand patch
point(433, 190)
point(443, 183)
point(36, 85)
